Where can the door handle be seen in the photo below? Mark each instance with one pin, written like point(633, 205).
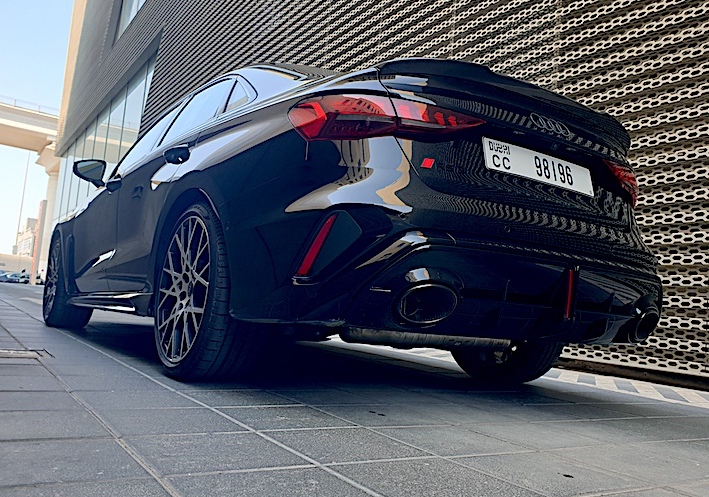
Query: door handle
point(137, 192)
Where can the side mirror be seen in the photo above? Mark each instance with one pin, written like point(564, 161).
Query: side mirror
point(91, 170)
point(177, 155)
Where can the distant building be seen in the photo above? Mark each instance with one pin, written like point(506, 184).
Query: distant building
point(26, 238)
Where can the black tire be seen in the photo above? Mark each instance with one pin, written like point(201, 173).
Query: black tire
point(195, 337)
point(55, 309)
point(519, 363)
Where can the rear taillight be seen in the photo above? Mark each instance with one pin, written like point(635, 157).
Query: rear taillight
point(352, 117)
point(626, 177)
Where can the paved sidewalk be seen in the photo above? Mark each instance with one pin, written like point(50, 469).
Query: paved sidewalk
point(90, 414)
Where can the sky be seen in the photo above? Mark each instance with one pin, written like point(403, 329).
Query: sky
point(34, 36)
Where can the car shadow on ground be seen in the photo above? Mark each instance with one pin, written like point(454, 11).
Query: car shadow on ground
point(299, 365)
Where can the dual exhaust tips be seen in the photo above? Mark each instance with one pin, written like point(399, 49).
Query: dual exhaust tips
point(430, 303)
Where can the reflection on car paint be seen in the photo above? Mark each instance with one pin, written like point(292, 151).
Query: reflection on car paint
point(362, 183)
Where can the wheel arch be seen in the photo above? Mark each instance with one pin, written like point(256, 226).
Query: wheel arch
point(177, 205)
point(65, 242)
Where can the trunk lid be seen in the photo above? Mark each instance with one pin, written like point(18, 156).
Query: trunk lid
point(524, 123)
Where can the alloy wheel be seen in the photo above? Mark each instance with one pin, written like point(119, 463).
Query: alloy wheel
point(50, 284)
point(183, 289)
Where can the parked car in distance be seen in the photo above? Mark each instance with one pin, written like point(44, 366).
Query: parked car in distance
point(15, 278)
point(416, 203)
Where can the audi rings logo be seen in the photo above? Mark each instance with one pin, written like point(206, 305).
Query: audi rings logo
point(551, 125)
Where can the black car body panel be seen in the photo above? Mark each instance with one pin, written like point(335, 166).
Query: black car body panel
point(405, 224)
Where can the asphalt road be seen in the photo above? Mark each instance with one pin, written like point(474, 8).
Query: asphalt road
point(90, 414)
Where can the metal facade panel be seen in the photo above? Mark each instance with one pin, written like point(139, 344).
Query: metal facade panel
point(644, 61)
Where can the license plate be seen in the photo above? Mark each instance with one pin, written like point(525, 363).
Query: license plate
point(520, 161)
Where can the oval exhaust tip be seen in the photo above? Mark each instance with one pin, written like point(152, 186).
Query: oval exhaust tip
point(428, 303)
point(646, 325)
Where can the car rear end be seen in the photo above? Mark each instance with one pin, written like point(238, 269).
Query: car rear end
point(543, 187)
point(510, 217)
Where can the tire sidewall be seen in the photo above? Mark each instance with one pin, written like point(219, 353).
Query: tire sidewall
point(49, 313)
point(215, 315)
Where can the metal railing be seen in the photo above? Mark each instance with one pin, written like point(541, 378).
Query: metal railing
point(22, 104)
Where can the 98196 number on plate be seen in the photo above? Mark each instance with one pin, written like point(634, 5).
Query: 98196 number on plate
point(520, 161)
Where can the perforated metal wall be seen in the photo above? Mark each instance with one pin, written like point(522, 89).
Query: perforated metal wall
point(644, 61)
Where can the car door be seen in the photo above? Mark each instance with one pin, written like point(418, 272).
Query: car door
point(141, 197)
point(93, 241)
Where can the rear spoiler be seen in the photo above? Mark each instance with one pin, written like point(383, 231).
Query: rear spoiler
point(600, 123)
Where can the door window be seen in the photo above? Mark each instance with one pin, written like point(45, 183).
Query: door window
point(146, 143)
point(201, 108)
point(239, 96)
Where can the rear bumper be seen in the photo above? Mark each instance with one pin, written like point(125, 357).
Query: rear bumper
point(493, 290)
point(502, 294)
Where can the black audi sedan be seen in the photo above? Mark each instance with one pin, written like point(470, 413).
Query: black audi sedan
point(417, 203)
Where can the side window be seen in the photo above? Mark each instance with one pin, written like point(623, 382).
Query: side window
point(146, 143)
point(201, 108)
point(238, 97)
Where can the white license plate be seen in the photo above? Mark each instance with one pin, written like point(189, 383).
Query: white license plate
point(520, 161)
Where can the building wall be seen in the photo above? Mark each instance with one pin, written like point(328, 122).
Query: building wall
point(26, 238)
point(643, 61)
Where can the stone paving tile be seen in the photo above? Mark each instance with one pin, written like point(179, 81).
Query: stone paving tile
point(656, 408)
point(110, 382)
point(145, 487)
point(450, 441)
point(167, 421)
point(11, 368)
point(184, 454)
point(550, 475)
point(89, 367)
point(38, 383)
point(47, 461)
point(392, 395)
point(429, 477)
point(551, 412)
point(344, 445)
point(652, 492)
point(279, 418)
point(695, 489)
point(237, 397)
point(661, 463)
point(466, 414)
point(324, 396)
point(534, 435)
point(37, 401)
point(134, 399)
point(17, 362)
point(496, 399)
point(281, 483)
point(624, 431)
point(384, 415)
point(33, 425)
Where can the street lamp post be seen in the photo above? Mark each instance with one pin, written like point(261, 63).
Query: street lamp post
point(19, 216)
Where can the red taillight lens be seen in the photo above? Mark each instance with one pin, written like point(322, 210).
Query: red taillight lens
point(352, 117)
point(626, 177)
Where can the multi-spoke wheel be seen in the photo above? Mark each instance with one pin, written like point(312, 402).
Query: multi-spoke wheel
point(194, 335)
point(518, 363)
point(55, 309)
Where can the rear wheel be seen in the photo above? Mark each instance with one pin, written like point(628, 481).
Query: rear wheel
point(55, 309)
point(194, 334)
point(518, 363)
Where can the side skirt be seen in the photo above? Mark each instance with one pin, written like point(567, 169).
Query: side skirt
point(131, 303)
